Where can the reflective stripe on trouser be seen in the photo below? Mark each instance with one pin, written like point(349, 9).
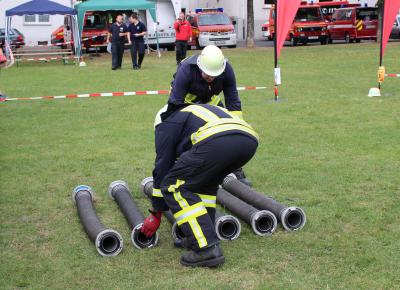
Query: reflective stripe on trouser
point(190, 214)
point(199, 171)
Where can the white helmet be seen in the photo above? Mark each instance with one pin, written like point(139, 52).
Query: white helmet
point(158, 120)
point(211, 61)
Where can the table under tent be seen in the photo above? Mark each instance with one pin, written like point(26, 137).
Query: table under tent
point(42, 52)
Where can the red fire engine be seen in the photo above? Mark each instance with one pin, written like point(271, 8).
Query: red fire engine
point(308, 25)
point(94, 32)
point(354, 23)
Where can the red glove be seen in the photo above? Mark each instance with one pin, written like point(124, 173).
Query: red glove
point(151, 223)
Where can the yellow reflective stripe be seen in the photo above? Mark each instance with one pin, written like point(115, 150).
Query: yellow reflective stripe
point(194, 215)
point(190, 98)
point(200, 136)
point(180, 200)
point(208, 200)
point(237, 114)
point(205, 196)
point(188, 210)
point(157, 192)
point(222, 125)
point(215, 100)
point(178, 183)
point(189, 214)
point(198, 233)
point(202, 113)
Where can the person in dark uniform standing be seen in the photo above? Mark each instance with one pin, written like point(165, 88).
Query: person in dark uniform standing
point(137, 31)
point(118, 33)
point(200, 79)
point(183, 32)
point(196, 147)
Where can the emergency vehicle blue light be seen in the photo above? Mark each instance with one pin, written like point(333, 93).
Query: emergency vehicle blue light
point(219, 9)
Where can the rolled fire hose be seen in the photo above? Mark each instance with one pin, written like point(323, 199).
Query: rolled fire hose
point(119, 191)
point(263, 222)
point(107, 241)
point(227, 227)
point(293, 218)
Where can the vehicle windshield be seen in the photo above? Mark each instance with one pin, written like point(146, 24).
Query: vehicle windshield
point(367, 14)
point(95, 21)
point(214, 19)
point(308, 14)
point(3, 32)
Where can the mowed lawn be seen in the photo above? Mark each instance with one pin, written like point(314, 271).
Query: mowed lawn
point(327, 148)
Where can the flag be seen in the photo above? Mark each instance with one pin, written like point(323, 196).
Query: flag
point(390, 11)
point(286, 10)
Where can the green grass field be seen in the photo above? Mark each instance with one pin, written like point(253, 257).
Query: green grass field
point(327, 148)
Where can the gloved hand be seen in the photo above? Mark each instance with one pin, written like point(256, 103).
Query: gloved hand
point(151, 223)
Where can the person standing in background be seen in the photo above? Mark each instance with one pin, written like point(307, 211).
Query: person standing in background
point(117, 31)
point(137, 31)
point(183, 32)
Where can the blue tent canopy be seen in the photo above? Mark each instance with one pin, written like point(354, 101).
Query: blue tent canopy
point(40, 7)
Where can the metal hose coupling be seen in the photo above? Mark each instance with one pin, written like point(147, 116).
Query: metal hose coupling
point(293, 218)
point(264, 223)
point(227, 227)
point(120, 192)
point(107, 241)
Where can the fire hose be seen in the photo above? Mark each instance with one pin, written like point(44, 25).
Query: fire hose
point(293, 218)
point(119, 191)
point(107, 241)
point(263, 222)
point(227, 227)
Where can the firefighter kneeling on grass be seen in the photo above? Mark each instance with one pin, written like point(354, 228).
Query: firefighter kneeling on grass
point(196, 147)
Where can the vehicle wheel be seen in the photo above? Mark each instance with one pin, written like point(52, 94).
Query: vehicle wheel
point(232, 46)
point(347, 38)
point(293, 41)
point(358, 40)
point(170, 48)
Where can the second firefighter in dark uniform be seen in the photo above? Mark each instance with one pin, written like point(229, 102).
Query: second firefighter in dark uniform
point(137, 31)
point(118, 33)
point(196, 147)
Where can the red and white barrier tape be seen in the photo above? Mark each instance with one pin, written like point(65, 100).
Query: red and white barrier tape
point(392, 75)
point(114, 94)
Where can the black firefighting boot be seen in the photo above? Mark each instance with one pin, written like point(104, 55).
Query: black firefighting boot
point(208, 257)
point(239, 173)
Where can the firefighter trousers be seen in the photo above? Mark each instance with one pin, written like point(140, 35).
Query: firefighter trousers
point(190, 187)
